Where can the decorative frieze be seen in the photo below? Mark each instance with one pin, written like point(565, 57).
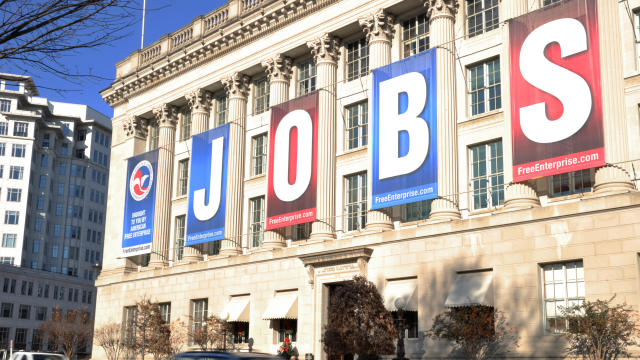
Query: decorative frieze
point(166, 115)
point(199, 100)
point(135, 126)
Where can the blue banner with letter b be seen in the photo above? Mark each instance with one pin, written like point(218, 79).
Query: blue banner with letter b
point(404, 155)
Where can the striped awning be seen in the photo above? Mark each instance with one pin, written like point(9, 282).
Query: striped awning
point(401, 293)
point(283, 306)
point(238, 309)
point(474, 288)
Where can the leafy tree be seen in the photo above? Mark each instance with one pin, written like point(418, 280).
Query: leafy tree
point(109, 337)
point(68, 330)
point(601, 330)
point(35, 35)
point(479, 331)
point(211, 336)
point(358, 321)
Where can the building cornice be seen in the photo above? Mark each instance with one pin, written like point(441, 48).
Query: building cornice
point(205, 39)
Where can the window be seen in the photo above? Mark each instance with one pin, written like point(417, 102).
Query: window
point(165, 312)
point(3, 148)
point(44, 159)
point(81, 134)
point(24, 312)
point(14, 195)
point(306, 77)
point(198, 314)
point(6, 310)
point(185, 127)
point(7, 260)
point(221, 110)
point(129, 319)
point(484, 87)
point(64, 150)
point(16, 172)
point(259, 150)
point(179, 247)
point(286, 328)
point(415, 211)
point(20, 129)
point(9, 240)
point(5, 106)
point(563, 287)
point(183, 177)
point(154, 135)
point(357, 59)
point(410, 320)
point(40, 202)
point(1, 171)
point(301, 231)
point(46, 141)
point(80, 153)
point(21, 339)
point(487, 177)
point(240, 332)
point(41, 313)
point(43, 181)
point(356, 201)
point(549, 2)
point(38, 224)
point(482, 16)
point(261, 97)
point(59, 207)
point(36, 246)
point(415, 35)
point(357, 125)
point(256, 227)
point(572, 183)
point(18, 150)
point(36, 340)
point(11, 217)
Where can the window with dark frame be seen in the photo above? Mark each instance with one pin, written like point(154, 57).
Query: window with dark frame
point(198, 315)
point(357, 59)
point(256, 221)
point(415, 35)
point(240, 332)
point(286, 328)
point(129, 322)
point(306, 77)
point(575, 182)
point(221, 110)
point(180, 234)
point(355, 201)
point(482, 16)
point(357, 120)
point(185, 125)
point(484, 87)
point(419, 210)
point(563, 285)
point(183, 177)
point(261, 95)
point(487, 175)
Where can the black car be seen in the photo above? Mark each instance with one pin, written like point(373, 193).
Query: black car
point(219, 355)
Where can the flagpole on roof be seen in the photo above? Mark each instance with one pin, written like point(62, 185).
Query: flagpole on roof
point(144, 10)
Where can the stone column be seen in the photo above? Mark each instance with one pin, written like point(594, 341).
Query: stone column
point(166, 116)
point(278, 69)
point(379, 30)
point(237, 87)
point(519, 195)
point(614, 177)
point(442, 17)
point(199, 101)
point(326, 52)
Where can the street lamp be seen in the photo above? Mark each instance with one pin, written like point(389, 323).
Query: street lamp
point(400, 304)
point(224, 316)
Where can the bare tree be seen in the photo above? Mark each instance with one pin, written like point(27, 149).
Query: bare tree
point(212, 334)
point(68, 330)
point(178, 336)
point(37, 34)
point(152, 334)
point(358, 321)
point(109, 337)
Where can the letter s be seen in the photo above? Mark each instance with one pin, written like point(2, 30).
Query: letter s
point(571, 89)
point(205, 212)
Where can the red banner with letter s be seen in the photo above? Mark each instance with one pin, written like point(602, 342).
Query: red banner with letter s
point(556, 106)
point(293, 149)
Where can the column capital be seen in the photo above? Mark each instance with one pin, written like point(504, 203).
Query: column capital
point(166, 115)
point(378, 27)
point(278, 68)
point(199, 100)
point(325, 49)
point(236, 85)
point(135, 126)
point(438, 8)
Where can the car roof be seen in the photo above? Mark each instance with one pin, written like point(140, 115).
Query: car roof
point(229, 354)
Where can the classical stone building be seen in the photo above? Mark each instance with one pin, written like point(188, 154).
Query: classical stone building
point(526, 248)
point(54, 165)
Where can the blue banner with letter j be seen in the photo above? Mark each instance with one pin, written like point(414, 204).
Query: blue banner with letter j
point(404, 155)
point(208, 186)
point(140, 198)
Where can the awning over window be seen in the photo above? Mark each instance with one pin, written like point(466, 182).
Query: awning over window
point(238, 309)
point(283, 306)
point(473, 288)
point(403, 293)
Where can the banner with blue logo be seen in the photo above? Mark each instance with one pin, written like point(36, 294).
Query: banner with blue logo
point(404, 160)
point(208, 186)
point(139, 204)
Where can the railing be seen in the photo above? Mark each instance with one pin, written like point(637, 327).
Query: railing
point(150, 53)
point(214, 20)
point(181, 38)
point(248, 5)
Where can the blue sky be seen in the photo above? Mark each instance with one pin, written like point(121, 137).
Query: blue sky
point(163, 16)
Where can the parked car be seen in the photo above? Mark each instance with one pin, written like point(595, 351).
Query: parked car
point(220, 355)
point(24, 355)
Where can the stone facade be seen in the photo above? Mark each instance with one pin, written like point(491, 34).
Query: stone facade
point(534, 227)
